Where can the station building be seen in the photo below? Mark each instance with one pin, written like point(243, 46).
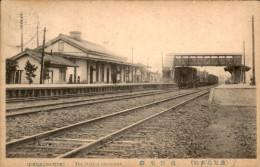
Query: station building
point(74, 60)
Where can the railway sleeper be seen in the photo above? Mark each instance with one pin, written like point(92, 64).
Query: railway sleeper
point(58, 143)
point(22, 154)
point(113, 145)
point(72, 140)
point(105, 151)
point(101, 156)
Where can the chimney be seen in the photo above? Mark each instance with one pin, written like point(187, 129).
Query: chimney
point(76, 35)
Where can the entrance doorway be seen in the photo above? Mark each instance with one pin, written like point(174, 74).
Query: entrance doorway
point(62, 75)
point(50, 79)
point(108, 75)
point(91, 74)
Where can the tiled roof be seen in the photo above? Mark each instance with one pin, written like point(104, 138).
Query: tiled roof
point(86, 46)
point(54, 59)
point(116, 61)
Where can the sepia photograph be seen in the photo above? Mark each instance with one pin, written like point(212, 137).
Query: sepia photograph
point(129, 83)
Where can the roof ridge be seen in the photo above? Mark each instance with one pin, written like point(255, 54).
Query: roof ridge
point(83, 45)
point(81, 40)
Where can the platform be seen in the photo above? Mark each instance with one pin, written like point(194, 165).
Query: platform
point(233, 94)
point(38, 90)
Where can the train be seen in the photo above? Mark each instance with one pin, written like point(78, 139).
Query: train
point(188, 77)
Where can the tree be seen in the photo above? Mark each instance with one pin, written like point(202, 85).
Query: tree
point(30, 70)
point(11, 67)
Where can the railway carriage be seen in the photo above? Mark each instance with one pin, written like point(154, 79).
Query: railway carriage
point(203, 77)
point(212, 79)
point(185, 76)
point(188, 77)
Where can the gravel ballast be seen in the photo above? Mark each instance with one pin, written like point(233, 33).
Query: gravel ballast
point(27, 125)
point(196, 130)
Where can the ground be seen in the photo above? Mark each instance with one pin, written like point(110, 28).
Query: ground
point(200, 130)
point(214, 131)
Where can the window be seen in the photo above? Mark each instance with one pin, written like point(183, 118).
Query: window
point(61, 46)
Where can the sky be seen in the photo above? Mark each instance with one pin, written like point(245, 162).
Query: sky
point(150, 29)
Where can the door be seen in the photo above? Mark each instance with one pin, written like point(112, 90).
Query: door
point(50, 79)
point(97, 73)
point(62, 76)
point(91, 74)
point(108, 75)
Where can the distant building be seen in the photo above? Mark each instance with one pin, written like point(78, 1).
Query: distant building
point(74, 60)
point(152, 77)
point(167, 69)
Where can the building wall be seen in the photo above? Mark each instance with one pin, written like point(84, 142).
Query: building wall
point(68, 49)
point(84, 66)
point(82, 70)
point(55, 73)
point(22, 62)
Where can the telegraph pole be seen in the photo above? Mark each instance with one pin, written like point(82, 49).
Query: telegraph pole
point(133, 65)
point(38, 35)
point(253, 51)
point(21, 27)
point(244, 73)
point(42, 64)
point(162, 61)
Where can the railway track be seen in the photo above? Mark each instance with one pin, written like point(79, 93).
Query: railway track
point(75, 103)
point(152, 139)
point(83, 137)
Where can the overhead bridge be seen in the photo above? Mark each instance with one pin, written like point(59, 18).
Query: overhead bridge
point(207, 60)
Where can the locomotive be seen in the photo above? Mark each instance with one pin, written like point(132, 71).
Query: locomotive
point(188, 77)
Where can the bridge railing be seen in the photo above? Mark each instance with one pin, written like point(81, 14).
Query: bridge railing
point(209, 60)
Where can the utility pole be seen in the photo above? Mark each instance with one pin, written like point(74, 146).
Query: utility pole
point(244, 73)
point(253, 51)
point(162, 60)
point(162, 64)
point(21, 27)
point(38, 35)
point(132, 65)
point(42, 64)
